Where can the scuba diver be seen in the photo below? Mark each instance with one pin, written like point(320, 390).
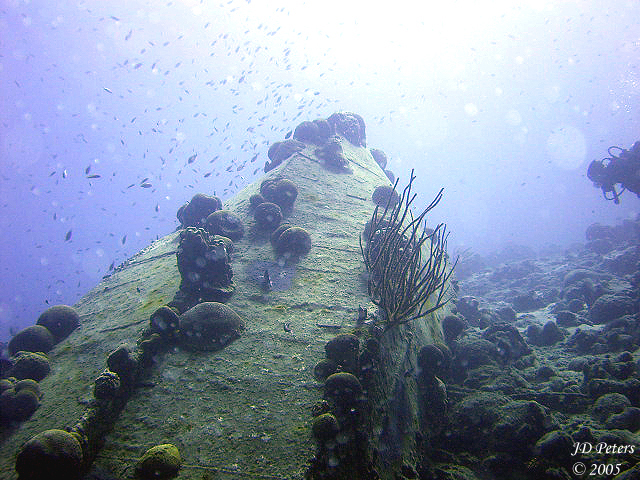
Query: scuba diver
point(623, 169)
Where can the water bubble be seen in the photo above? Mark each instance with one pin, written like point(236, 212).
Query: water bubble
point(513, 118)
point(471, 109)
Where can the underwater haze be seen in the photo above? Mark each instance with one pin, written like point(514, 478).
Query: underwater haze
point(114, 114)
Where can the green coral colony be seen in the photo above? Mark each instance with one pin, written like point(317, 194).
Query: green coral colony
point(198, 319)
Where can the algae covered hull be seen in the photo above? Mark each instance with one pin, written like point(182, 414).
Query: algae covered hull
point(244, 410)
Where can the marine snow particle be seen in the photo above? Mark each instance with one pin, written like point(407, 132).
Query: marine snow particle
point(60, 320)
point(267, 216)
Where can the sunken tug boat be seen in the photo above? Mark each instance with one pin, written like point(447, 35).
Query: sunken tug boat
point(292, 332)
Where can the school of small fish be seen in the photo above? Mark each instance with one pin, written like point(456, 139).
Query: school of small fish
point(145, 108)
point(237, 107)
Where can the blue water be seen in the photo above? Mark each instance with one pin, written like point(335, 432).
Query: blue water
point(105, 104)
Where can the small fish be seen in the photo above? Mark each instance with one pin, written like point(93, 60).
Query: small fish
point(192, 158)
point(124, 239)
point(286, 327)
point(288, 135)
point(266, 282)
point(362, 315)
point(107, 90)
point(93, 176)
point(64, 173)
point(87, 170)
point(157, 207)
point(146, 185)
point(67, 237)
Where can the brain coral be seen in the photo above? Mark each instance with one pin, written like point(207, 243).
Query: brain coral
point(342, 388)
point(343, 350)
point(195, 212)
point(60, 320)
point(350, 126)
point(19, 399)
point(332, 155)
point(316, 132)
point(209, 326)
point(268, 216)
point(226, 224)
point(379, 156)
point(280, 151)
point(280, 191)
point(52, 454)
point(35, 338)
point(294, 241)
point(34, 365)
point(159, 463)
point(385, 195)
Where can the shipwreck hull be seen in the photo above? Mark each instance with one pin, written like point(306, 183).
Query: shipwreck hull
point(245, 410)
